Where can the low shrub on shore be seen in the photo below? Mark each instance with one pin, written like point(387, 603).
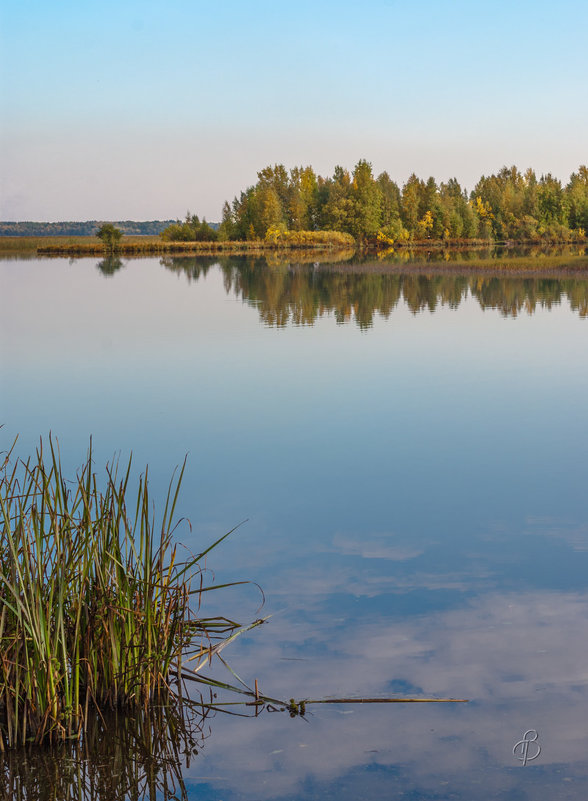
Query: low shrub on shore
point(281, 238)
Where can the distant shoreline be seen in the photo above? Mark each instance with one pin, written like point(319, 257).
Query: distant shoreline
point(174, 248)
point(154, 245)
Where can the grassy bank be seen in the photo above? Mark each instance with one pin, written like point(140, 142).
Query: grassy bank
point(146, 245)
point(65, 244)
point(305, 247)
point(96, 607)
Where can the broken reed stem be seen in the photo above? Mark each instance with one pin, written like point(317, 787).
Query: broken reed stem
point(388, 701)
point(298, 707)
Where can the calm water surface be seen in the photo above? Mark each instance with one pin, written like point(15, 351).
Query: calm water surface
point(410, 451)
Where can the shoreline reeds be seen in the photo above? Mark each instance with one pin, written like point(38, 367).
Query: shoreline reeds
point(97, 611)
point(194, 248)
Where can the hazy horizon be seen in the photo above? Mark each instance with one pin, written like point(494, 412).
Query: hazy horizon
point(140, 111)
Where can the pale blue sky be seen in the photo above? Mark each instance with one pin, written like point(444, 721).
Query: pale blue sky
point(143, 110)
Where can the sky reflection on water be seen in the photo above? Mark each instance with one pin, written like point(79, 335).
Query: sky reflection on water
point(416, 496)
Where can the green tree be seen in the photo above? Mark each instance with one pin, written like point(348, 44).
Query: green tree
point(110, 236)
point(453, 203)
point(577, 199)
point(337, 210)
point(227, 229)
point(412, 193)
point(390, 200)
point(550, 201)
point(303, 200)
point(276, 178)
point(367, 202)
point(269, 209)
point(244, 214)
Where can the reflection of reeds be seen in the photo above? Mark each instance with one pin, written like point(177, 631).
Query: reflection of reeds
point(121, 756)
point(96, 608)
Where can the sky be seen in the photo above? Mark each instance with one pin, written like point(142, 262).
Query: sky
point(145, 110)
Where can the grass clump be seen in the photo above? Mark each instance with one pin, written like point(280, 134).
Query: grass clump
point(96, 609)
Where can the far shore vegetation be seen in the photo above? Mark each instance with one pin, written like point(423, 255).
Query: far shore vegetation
point(298, 209)
point(376, 211)
point(76, 228)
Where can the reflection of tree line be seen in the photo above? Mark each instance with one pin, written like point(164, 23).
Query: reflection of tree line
point(494, 254)
point(300, 294)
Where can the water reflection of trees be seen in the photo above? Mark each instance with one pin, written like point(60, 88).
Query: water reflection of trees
point(110, 265)
point(300, 294)
point(488, 255)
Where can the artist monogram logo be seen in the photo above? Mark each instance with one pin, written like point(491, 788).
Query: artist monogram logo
point(528, 748)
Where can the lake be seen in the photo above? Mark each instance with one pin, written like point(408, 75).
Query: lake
point(408, 445)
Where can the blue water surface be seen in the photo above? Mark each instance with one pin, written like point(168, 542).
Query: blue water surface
point(415, 495)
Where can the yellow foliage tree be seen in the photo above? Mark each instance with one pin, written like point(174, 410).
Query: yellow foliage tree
point(483, 210)
point(425, 225)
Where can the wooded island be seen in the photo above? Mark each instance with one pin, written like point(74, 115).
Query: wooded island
point(507, 206)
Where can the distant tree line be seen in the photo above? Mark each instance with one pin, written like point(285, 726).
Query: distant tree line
point(87, 228)
point(507, 206)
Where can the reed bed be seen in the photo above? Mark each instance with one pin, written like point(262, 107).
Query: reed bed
point(36, 244)
point(97, 612)
point(174, 248)
point(145, 245)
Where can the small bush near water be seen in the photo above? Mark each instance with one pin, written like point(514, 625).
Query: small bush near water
point(96, 608)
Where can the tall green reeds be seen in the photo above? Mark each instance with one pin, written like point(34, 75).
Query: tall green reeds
point(96, 609)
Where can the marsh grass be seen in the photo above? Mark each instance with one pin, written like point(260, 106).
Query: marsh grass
point(72, 246)
point(97, 610)
point(34, 244)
